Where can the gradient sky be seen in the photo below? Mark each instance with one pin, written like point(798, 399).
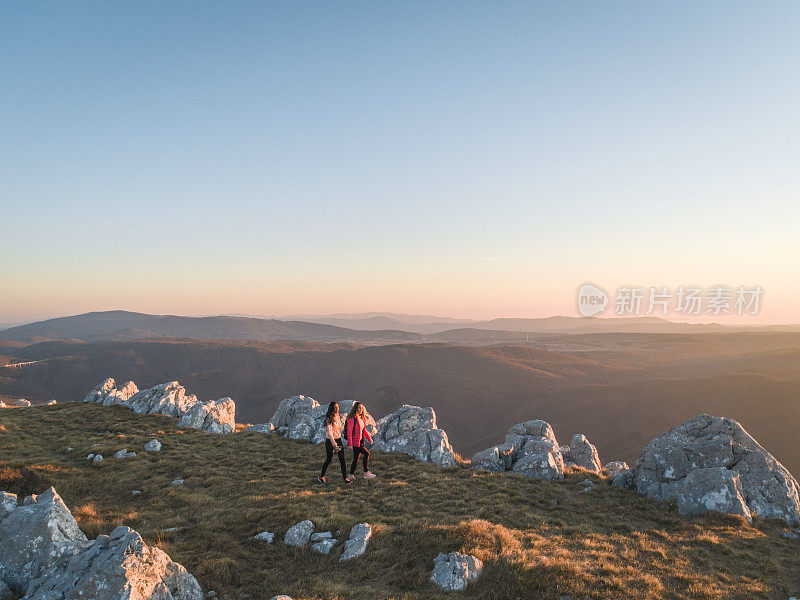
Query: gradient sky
point(468, 159)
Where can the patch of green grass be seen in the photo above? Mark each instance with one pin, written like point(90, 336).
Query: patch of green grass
point(538, 539)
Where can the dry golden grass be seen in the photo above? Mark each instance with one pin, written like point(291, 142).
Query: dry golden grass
point(539, 540)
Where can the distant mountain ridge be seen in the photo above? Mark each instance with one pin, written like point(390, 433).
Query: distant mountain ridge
point(121, 325)
point(365, 328)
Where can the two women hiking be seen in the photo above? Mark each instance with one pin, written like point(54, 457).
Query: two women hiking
point(357, 438)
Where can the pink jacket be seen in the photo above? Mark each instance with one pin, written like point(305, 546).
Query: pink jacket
point(355, 430)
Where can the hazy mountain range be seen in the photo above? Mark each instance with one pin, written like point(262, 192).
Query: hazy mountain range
point(368, 328)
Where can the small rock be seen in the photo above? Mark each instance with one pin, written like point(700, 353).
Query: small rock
point(152, 446)
point(790, 535)
point(124, 454)
point(97, 458)
point(281, 597)
point(318, 537)
point(587, 482)
point(211, 594)
point(357, 544)
point(261, 428)
point(324, 546)
point(265, 536)
point(177, 482)
point(70, 449)
point(90, 457)
point(299, 534)
point(137, 492)
point(586, 489)
point(455, 570)
point(169, 529)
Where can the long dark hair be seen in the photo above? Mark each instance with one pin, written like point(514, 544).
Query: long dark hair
point(333, 409)
point(354, 411)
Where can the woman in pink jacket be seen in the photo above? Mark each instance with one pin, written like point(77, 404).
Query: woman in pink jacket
point(357, 435)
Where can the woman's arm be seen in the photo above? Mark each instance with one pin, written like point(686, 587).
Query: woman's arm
point(349, 427)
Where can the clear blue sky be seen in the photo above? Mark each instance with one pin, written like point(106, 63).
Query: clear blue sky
point(472, 159)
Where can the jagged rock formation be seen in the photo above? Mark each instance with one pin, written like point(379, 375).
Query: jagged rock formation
point(581, 453)
point(169, 399)
point(712, 463)
point(108, 394)
point(356, 544)
point(530, 449)
point(301, 418)
point(455, 570)
point(412, 430)
point(45, 556)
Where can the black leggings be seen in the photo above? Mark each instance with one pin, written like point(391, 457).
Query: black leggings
point(363, 452)
point(329, 457)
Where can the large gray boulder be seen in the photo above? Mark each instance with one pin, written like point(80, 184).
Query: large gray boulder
point(33, 536)
point(413, 431)
point(530, 449)
point(45, 556)
point(116, 566)
point(356, 544)
point(685, 464)
point(582, 454)
point(455, 570)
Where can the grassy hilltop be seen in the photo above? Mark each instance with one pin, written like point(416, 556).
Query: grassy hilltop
point(539, 540)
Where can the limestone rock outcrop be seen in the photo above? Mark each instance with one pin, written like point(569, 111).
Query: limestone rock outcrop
point(44, 556)
point(530, 449)
point(108, 394)
point(412, 430)
point(216, 416)
point(712, 463)
point(302, 418)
